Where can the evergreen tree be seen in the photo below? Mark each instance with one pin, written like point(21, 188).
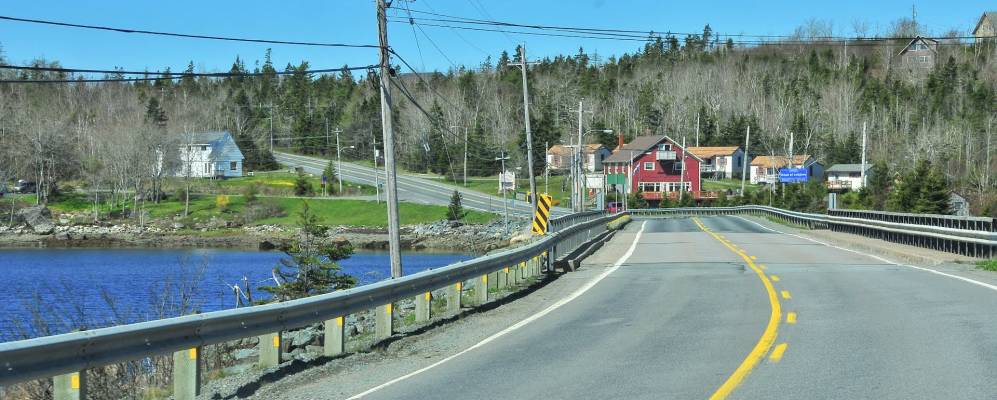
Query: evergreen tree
point(310, 268)
point(455, 211)
point(879, 184)
point(544, 131)
point(154, 114)
point(934, 195)
point(332, 178)
point(302, 186)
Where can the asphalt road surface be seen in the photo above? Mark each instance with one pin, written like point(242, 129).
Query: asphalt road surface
point(724, 307)
point(416, 189)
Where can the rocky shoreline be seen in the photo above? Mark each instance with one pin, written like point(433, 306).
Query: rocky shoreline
point(439, 236)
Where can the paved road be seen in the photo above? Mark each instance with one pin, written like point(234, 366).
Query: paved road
point(414, 188)
point(691, 312)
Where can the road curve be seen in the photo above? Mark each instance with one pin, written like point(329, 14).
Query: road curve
point(685, 311)
point(415, 188)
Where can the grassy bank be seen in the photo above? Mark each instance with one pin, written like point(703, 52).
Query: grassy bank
point(265, 210)
point(989, 265)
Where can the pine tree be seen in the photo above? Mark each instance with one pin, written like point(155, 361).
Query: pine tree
point(934, 195)
point(302, 186)
point(332, 178)
point(455, 211)
point(154, 114)
point(310, 268)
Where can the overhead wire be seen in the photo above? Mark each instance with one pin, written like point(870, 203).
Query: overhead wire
point(184, 35)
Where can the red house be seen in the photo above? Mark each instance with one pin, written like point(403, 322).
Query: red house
point(653, 165)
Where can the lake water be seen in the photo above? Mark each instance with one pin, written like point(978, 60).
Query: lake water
point(65, 288)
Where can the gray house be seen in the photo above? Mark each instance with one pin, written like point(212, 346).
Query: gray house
point(210, 155)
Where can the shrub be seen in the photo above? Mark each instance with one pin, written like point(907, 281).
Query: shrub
point(222, 202)
point(302, 187)
point(455, 212)
point(251, 192)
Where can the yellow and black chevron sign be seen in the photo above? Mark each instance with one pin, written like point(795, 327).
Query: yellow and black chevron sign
point(542, 215)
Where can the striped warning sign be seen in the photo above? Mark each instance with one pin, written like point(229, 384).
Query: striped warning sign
point(541, 218)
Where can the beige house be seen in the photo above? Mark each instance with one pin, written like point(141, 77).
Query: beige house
point(987, 26)
point(918, 57)
point(559, 156)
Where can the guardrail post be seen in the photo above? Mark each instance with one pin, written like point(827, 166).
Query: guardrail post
point(71, 386)
point(422, 303)
point(270, 350)
point(481, 289)
point(334, 328)
point(187, 374)
point(453, 298)
point(503, 278)
point(382, 322)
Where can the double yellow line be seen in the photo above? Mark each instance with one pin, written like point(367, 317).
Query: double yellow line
point(771, 330)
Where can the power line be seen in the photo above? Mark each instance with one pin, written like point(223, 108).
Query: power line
point(184, 35)
point(179, 74)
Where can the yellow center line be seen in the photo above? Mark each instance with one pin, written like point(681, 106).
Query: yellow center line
point(762, 266)
point(791, 318)
point(786, 295)
point(775, 278)
point(768, 337)
point(777, 353)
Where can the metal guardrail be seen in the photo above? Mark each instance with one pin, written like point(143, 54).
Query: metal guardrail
point(985, 224)
point(572, 219)
point(968, 242)
point(72, 352)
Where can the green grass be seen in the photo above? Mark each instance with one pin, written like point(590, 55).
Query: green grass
point(330, 211)
point(490, 186)
point(989, 265)
point(275, 183)
point(722, 184)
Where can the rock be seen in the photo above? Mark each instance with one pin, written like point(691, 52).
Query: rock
point(313, 349)
point(303, 337)
point(63, 236)
point(39, 218)
point(177, 226)
point(242, 354)
point(267, 245)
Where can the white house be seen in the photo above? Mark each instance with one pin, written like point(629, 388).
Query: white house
point(765, 169)
point(210, 155)
point(559, 156)
point(847, 176)
point(720, 162)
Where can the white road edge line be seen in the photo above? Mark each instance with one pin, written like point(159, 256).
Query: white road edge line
point(519, 324)
point(961, 278)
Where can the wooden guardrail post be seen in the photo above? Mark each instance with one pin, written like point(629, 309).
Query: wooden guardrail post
point(503, 278)
point(71, 386)
point(481, 289)
point(383, 321)
point(187, 373)
point(423, 306)
point(453, 298)
point(334, 336)
point(270, 350)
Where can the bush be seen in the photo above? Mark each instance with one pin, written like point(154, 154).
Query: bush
point(989, 265)
point(251, 192)
point(222, 202)
point(455, 212)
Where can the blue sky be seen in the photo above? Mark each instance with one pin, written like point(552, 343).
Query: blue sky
point(353, 21)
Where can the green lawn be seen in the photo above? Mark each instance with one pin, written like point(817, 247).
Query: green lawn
point(274, 183)
point(722, 184)
point(490, 186)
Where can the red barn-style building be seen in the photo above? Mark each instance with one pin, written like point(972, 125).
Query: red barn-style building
point(653, 165)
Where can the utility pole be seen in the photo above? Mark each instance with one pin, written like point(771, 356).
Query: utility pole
point(682, 172)
point(377, 185)
point(465, 153)
point(744, 162)
point(578, 163)
point(394, 227)
point(339, 162)
point(697, 129)
point(523, 63)
point(863, 155)
point(547, 170)
point(271, 126)
point(505, 204)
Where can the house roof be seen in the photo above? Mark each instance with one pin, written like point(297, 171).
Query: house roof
point(848, 168)
point(639, 146)
point(710, 152)
point(990, 17)
point(921, 39)
point(218, 141)
point(563, 150)
point(779, 161)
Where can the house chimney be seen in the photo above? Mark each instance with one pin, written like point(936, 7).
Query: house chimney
point(619, 143)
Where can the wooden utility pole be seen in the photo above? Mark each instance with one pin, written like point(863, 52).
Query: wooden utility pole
point(863, 156)
point(529, 134)
point(394, 227)
point(744, 167)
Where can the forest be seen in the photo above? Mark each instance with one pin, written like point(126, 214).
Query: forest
point(108, 136)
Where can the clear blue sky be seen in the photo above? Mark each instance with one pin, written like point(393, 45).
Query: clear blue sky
point(353, 21)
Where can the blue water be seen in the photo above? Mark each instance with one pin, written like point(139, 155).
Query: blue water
point(49, 291)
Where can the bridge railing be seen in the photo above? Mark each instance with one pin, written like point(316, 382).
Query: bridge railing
point(985, 224)
point(968, 242)
point(576, 218)
point(72, 353)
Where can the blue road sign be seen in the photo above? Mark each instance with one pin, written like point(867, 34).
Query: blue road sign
point(791, 175)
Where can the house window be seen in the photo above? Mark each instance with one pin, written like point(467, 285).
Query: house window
point(922, 59)
point(665, 147)
point(232, 165)
point(677, 166)
point(650, 186)
point(204, 148)
point(649, 166)
point(207, 168)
